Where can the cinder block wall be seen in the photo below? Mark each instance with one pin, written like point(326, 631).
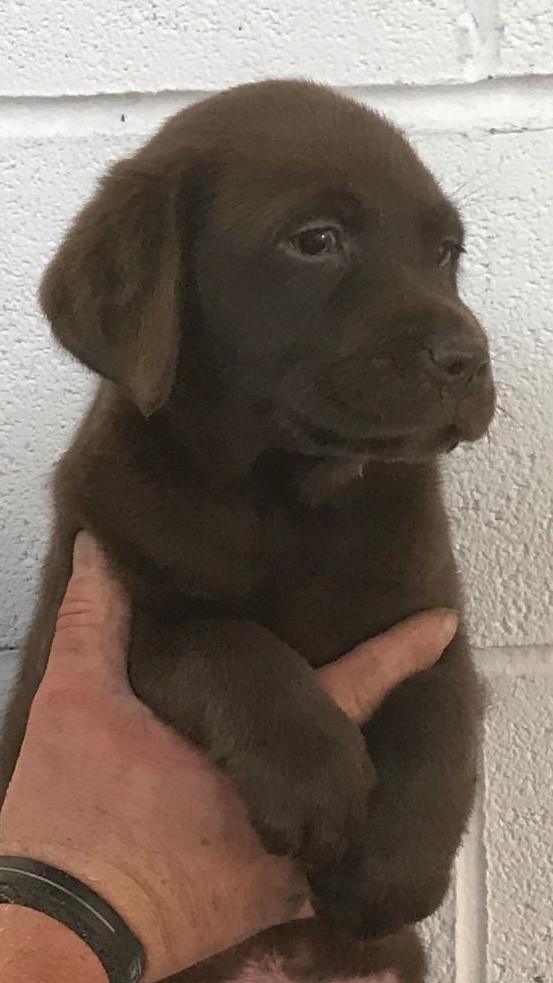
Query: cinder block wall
point(472, 82)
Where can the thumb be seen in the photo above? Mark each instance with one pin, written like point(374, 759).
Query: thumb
point(92, 628)
point(359, 681)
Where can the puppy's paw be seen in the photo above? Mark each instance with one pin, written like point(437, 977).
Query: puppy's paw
point(308, 794)
point(356, 895)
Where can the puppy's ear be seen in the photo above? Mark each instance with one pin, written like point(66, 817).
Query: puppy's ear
point(111, 291)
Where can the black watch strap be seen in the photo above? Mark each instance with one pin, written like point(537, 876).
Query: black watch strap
point(33, 884)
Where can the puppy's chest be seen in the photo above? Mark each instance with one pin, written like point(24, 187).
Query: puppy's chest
point(321, 578)
point(337, 575)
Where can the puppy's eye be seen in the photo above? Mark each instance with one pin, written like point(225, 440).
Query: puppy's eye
point(448, 253)
point(316, 243)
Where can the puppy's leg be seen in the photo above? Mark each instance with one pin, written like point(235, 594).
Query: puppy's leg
point(423, 743)
point(254, 704)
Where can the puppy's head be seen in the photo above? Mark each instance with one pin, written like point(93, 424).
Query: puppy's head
point(300, 238)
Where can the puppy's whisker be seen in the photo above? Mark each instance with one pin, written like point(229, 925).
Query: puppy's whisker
point(471, 198)
point(489, 444)
point(475, 176)
point(501, 409)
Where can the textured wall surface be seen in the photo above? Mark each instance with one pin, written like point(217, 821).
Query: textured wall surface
point(472, 82)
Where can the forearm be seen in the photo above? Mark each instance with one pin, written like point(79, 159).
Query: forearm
point(35, 948)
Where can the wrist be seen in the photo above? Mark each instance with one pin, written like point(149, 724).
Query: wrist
point(128, 899)
point(35, 946)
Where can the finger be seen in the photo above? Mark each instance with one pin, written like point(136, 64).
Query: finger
point(92, 628)
point(360, 680)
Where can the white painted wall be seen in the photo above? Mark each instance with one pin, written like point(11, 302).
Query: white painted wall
point(472, 80)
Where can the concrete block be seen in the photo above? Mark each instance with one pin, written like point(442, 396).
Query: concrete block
point(152, 45)
point(42, 392)
point(525, 37)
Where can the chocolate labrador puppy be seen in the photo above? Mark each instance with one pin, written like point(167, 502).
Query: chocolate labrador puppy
point(269, 290)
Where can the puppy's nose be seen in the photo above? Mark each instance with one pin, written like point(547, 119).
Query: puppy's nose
point(458, 363)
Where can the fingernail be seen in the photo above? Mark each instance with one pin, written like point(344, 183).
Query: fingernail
point(87, 555)
point(449, 623)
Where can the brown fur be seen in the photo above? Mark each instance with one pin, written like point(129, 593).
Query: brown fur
point(261, 466)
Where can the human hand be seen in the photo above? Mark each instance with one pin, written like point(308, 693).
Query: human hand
point(105, 791)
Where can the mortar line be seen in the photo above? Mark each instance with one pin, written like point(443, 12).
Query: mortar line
point(484, 15)
point(515, 647)
point(495, 105)
point(471, 894)
point(520, 81)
